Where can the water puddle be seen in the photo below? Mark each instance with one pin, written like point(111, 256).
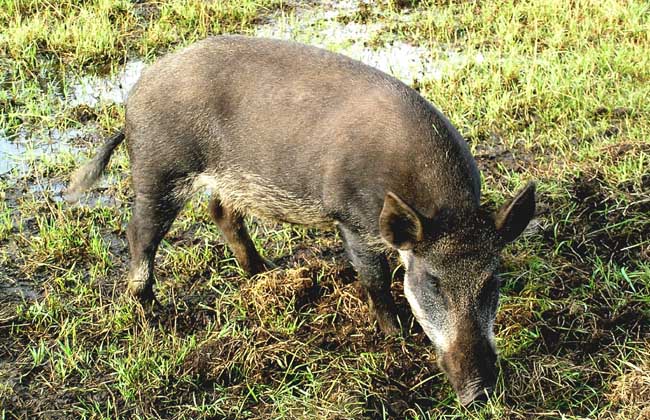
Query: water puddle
point(17, 152)
point(10, 154)
point(26, 150)
point(22, 152)
point(320, 25)
point(93, 90)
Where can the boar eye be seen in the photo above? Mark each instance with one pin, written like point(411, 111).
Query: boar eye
point(434, 281)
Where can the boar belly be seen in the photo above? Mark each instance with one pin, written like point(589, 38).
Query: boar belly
point(251, 194)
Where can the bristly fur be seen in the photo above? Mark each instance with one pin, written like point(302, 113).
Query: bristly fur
point(273, 134)
point(84, 177)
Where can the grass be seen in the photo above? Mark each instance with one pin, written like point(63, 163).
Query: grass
point(554, 91)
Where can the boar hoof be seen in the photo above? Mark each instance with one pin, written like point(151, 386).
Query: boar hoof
point(261, 266)
point(388, 324)
point(142, 291)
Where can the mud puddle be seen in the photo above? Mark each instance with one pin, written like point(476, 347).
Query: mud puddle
point(326, 24)
point(22, 155)
point(83, 92)
point(94, 90)
point(18, 152)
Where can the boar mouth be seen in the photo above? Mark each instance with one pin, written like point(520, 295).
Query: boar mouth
point(476, 392)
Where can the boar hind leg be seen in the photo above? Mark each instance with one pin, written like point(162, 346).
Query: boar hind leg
point(374, 275)
point(152, 217)
point(234, 230)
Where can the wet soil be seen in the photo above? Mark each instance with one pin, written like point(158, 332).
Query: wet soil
point(602, 225)
point(580, 327)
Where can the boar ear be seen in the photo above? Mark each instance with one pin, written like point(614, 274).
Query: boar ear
point(513, 217)
point(399, 224)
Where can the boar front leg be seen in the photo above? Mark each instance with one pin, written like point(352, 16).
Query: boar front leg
point(374, 274)
point(234, 230)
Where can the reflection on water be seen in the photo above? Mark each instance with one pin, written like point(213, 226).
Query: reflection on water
point(17, 151)
point(92, 90)
point(373, 44)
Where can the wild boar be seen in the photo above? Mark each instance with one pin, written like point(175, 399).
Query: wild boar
point(298, 134)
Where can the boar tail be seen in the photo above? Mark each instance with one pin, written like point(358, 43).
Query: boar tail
point(84, 177)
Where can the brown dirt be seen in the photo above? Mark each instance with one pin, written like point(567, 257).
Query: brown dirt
point(316, 279)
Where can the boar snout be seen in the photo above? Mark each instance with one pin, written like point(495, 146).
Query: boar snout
point(471, 369)
point(476, 395)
